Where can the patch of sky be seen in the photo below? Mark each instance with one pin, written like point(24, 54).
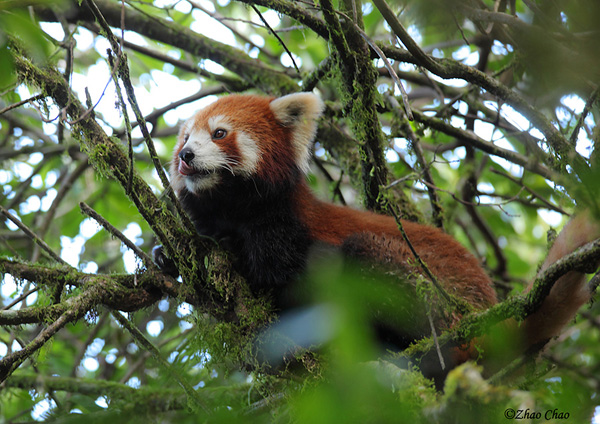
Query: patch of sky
point(132, 348)
point(184, 325)
point(552, 218)
point(452, 82)
point(501, 49)
point(23, 141)
point(5, 176)
point(48, 199)
point(32, 204)
point(437, 53)
point(172, 356)
point(9, 224)
point(91, 318)
point(130, 261)
point(84, 39)
point(207, 26)
point(155, 327)
point(257, 40)
point(286, 60)
point(42, 408)
point(465, 55)
point(406, 67)
point(184, 310)
point(101, 45)
point(502, 242)
point(71, 249)
point(391, 156)
point(90, 364)
point(485, 188)
point(8, 288)
point(37, 182)
point(102, 402)
point(89, 267)
point(95, 347)
point(134, 382)
point(453, 157)
point(111, 356)
point(53, 29)
point(574, 104)
point(163, 305)
point(415, 34)
point(132, 37)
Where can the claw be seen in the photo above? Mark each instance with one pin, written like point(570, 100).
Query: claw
point(164, 262)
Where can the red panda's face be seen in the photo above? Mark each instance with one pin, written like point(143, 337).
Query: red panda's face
point(245, 137)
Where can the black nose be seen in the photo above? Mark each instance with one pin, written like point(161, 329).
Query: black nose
point(186, 155)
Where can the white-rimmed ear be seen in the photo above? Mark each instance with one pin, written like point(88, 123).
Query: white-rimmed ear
point(299, 111)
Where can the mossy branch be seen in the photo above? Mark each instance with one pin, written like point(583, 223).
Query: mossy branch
point(251, 70)
point(128, 292)
point(360, 97)
point(156, 399)
point(75, 308)
point(518, 307)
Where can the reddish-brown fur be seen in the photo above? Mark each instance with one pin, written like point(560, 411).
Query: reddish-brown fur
point(457, 270)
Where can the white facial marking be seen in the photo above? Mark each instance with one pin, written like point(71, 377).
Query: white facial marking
point(218, 121)
point(250, 153)
point(197, 184)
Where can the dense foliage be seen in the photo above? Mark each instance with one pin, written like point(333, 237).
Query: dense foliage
point(475, 116)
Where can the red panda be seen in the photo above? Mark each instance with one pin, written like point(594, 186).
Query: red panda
point(238, 169)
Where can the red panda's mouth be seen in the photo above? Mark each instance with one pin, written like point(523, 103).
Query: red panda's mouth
point(187, 170)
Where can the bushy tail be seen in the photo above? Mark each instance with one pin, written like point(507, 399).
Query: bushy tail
point(570, 291)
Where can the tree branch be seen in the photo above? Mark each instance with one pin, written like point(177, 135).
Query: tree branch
point(519, 306)
point(171, 33)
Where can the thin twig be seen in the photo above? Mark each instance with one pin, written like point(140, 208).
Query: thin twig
point(584, 114)
point(152, 116)
point(221, 19)
point(21, 103)
point(436, 342)
point(21, 298)
point(276, 36)
point(336, 190)
point(64, 185)
point(123, 106)
point(425, 167)
point(389, 16)
point(451, 300)
point(144, 343)
point(33, 236)
point(87, 210)
point(520, 182)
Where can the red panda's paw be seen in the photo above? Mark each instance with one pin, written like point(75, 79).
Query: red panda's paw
point(163, 262)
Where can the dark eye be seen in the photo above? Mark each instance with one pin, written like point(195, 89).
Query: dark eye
point(219, 134)
point(186, 137)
